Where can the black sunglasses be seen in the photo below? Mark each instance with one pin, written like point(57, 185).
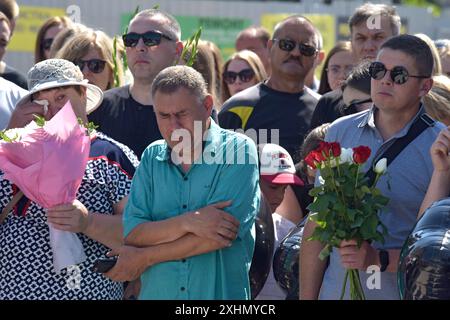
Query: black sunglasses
point(245, 75)
point(399, 74)
point(150, 38)
point(289, 45)
point(94, 65)
point(47, 43)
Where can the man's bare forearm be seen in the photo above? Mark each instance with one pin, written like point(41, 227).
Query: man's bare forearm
point(187, 246)
point(157, 232)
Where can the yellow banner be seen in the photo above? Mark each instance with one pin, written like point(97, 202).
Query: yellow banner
point(28, 24)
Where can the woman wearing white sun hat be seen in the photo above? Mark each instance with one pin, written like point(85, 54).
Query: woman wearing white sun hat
point(95, 216)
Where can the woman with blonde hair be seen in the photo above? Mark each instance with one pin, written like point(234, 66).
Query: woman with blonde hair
point(92, 52)
point(241, 71)
point(443, 47)
point(46, 36)
point(437, 100)
point(437, 66)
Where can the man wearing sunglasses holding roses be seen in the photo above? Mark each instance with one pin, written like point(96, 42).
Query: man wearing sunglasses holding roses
point(152, 43)
point(401, 76)
point(282, 102)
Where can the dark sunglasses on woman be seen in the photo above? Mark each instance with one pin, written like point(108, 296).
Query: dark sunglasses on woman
point(47, 43)
point(150, 38)
point(245, 75)
point(94, 65)
point(289, 45)
point(398, 74)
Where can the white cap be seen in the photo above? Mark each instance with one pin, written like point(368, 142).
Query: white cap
point(277, 166)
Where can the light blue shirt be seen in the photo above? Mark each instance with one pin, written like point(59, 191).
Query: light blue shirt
point(405, 184)
point(161, 190)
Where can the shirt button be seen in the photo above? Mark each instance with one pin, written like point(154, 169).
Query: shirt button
point(184, 206)
point(182, 288)
point(185, 178)
point(184, 260)
point(139, 108)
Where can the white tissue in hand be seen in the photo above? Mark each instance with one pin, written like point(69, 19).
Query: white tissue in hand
point(43, 103)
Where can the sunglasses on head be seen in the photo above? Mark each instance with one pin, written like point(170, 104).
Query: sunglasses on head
point(289, 45)
point(94, 65)
point(47, 43)
point(245, 75)
point(150, 38)
point(398, 74)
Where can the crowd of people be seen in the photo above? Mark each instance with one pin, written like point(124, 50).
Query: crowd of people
point(184, 159)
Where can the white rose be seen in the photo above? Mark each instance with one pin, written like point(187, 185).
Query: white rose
point(381, 165)
point(321, 180)
point(346, 155)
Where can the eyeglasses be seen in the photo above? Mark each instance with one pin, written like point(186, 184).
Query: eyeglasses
point(336, 69)
point(399, 74)
point(94, 65)
point(245, 75)
point(150, 38)
point(356, 103)
point(289, 45)
point(47, 43)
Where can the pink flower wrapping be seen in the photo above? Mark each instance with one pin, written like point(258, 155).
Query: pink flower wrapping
point(48, 163)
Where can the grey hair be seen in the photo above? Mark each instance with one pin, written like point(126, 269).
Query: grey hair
point(170, 79)
point(171, 25)
point(367, 10)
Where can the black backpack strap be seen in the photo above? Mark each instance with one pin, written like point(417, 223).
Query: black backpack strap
point(420, 124)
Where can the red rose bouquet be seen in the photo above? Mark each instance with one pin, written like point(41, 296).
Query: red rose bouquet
point(345, 206)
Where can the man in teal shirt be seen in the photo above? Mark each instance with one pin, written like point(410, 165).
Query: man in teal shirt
point(189, 221)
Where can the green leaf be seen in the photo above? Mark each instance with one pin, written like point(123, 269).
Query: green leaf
point(325, 252)
point(39, 120)
point(189, 53)
point(115, 65)
point(314, 192)
point(320, 204)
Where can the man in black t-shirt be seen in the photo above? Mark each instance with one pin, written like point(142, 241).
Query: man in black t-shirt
point(367, 35)
point(282, 102)
point(126, 114)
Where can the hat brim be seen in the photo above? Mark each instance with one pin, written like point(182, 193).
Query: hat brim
point(283, 178)
point(94, 94)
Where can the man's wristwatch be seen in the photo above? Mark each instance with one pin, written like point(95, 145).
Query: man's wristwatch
point(384, 259)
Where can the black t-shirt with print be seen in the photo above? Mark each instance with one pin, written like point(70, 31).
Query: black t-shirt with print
point(261, 107)
point(329, 108)
point(126, 120)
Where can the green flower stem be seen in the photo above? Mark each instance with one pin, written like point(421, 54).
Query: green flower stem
point(344, 285)
point(356, 290)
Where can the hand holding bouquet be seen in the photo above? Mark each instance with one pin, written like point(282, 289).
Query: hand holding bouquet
point(346, 206)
